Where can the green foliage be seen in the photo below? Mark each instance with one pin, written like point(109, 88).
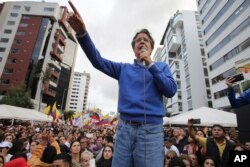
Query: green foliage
point(68, 115)
point(168, 114)
point(18, 97)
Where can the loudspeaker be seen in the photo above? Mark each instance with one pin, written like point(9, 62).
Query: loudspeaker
point(243, 121)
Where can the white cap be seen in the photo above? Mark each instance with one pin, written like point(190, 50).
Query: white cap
point(5, 144)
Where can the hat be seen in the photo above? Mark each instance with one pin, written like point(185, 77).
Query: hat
point(5, 144)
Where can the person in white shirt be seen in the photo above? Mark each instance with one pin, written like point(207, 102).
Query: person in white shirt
point(169, 146)
point(4, 148)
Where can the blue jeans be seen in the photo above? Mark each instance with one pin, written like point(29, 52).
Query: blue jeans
point(138, 146)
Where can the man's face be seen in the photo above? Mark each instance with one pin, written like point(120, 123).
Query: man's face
point(247, 145)
point(99, 141)
point(84, 143)
point(142, 41)
point(217, 132)
point(62, 140)
point(60, 163)
point(168, 144)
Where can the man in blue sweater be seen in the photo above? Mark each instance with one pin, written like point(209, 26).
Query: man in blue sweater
point(242, 100)
point(142, 85)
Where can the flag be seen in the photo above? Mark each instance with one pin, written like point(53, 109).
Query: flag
point(95, 118)
point(104, 119)
point(46, 110)
point(77, 121)
point(55, 112)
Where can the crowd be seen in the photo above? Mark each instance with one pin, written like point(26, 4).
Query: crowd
point(68, 146)
point(56, 145)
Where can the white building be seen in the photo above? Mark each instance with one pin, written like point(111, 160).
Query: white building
point(226, 30)
point(183, 50)
point(78, 93)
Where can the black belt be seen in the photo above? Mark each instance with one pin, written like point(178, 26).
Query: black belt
point(133, 123)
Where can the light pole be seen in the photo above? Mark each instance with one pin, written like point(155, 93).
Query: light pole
point(62, 102)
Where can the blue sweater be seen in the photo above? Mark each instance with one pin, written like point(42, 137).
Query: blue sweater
point(141, 89)
point(242, 100)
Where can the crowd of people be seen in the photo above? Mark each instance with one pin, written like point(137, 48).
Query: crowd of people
point(69, 146)
point(56, 145)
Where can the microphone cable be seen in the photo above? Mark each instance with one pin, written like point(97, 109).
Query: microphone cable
point(145, 116)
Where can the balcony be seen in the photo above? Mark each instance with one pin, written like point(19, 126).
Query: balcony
point(48, 91)
point(55, 55)
point(173, 44)
point(54, 73)
point(55, 64)
point(177, 21)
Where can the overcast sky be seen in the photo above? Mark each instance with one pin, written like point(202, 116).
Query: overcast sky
point(112, 25)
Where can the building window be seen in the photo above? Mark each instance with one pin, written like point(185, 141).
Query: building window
point(8, 70)
point(20, 33)
point(2, 49)
point(231, 54)
point(7, 31)
point(17, 7)
point(4, 40)
point(23, 25)
point(11, 23)
point(218, 16)
point(13, 14)
point(26, 17)
point(17, 41)
point(27, 8)
point(11, 60)
point(14, 51)
point(223, 76)
point(245, 24)
point(227, 23)
point(49, 9)
point(4, 81)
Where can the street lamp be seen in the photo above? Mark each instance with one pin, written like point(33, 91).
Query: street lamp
point(62, 102)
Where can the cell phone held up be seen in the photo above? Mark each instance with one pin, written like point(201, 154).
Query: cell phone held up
point(238, 77)
point(195, 121)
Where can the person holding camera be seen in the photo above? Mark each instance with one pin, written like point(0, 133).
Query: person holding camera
point(242, 100)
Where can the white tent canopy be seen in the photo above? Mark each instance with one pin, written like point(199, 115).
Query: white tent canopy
point(208, 117)
point(165, 120)
point(13, 112)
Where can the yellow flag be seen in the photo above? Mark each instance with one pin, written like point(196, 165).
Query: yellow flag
point(46, 110)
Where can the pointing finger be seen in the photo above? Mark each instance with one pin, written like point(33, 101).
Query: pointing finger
point(73, 7)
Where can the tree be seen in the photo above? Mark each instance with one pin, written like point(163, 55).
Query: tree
point(18, 97)
point(68, 115)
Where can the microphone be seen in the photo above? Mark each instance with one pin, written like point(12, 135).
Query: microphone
point(143, 49)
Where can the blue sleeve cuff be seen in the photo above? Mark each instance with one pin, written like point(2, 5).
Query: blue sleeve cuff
point(150, 65)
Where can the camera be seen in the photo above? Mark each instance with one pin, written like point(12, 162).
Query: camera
point(195, 121)
point(238, 77)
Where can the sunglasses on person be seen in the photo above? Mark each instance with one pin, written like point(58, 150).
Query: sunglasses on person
point(168, 157)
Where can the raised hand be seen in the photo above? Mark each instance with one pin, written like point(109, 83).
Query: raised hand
point(229, 81)
point(76, 21)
